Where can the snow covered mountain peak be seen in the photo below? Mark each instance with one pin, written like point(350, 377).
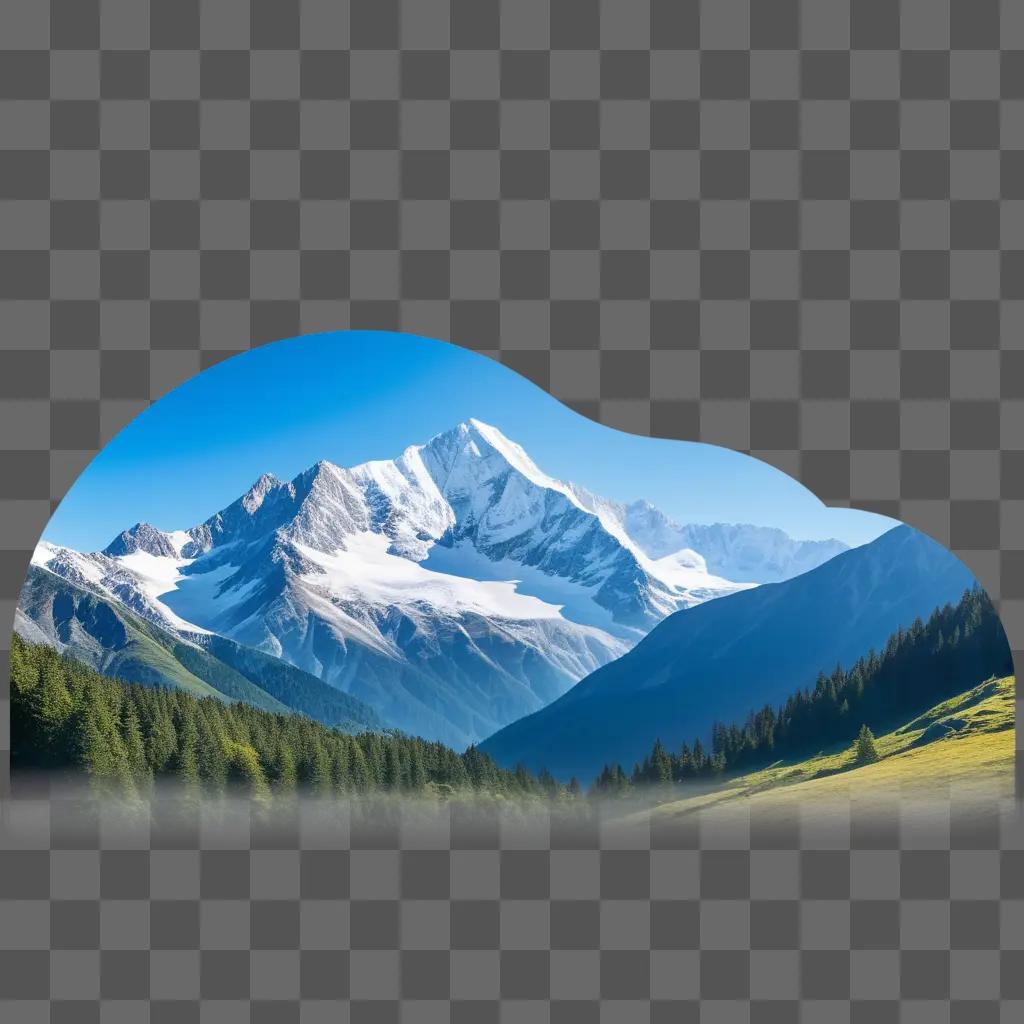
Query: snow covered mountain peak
point(513, 454)
point(253, 498)
point(737, 551)
point(454, 587)
point(142, 537)
point(474, 453)
point(465, 475)
point(762, 554)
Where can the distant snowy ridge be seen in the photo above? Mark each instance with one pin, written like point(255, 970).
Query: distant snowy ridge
point(740, 552)
point(454, 588)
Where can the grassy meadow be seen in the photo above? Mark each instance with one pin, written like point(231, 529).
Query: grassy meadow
point(965, 744)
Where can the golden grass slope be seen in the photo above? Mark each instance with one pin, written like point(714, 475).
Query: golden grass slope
point(962, 746)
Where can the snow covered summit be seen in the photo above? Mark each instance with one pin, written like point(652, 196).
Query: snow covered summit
point(454, 588)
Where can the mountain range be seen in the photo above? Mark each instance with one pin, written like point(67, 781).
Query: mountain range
point(723, 659)
point(447, 592)
point(106, 636)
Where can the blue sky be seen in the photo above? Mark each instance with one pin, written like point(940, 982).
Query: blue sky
point(353, 396)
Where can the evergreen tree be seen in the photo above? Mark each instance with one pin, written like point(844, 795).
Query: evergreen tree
point(94, 751)
point(373, 748)
point(135, 747)
point(546, 781)
point(244, 771)
point(313, 769)
point(211, 753)
point(52, 707)
point(865, 751)
point(100, 748)
point(358, 769)
point(341, 778)
point(418, 777)
point(282, 773)
point(161, 740)
point(392, 776)
point(660, 771)
point(474, 764)
point(184, 759)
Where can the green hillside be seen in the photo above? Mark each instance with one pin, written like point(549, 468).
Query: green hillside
point(68, 719)
point(114, 641)
point(966, 742)
point(143, 660)
point(919, 667)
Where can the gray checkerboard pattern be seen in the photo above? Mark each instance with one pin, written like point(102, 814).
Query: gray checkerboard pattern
point(790, 227)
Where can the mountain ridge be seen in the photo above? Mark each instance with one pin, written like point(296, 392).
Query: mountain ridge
point(454, 588)
point(722, 659)
point(110, 638)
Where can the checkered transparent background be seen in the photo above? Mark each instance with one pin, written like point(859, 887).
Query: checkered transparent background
point(792, 228)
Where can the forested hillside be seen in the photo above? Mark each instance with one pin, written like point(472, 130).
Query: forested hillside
point(721, 659)
point(67, 717)
point(962, 747)
point(958, 647)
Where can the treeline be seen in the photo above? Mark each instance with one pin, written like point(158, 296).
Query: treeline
point(67, 717)
point(958, 647)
